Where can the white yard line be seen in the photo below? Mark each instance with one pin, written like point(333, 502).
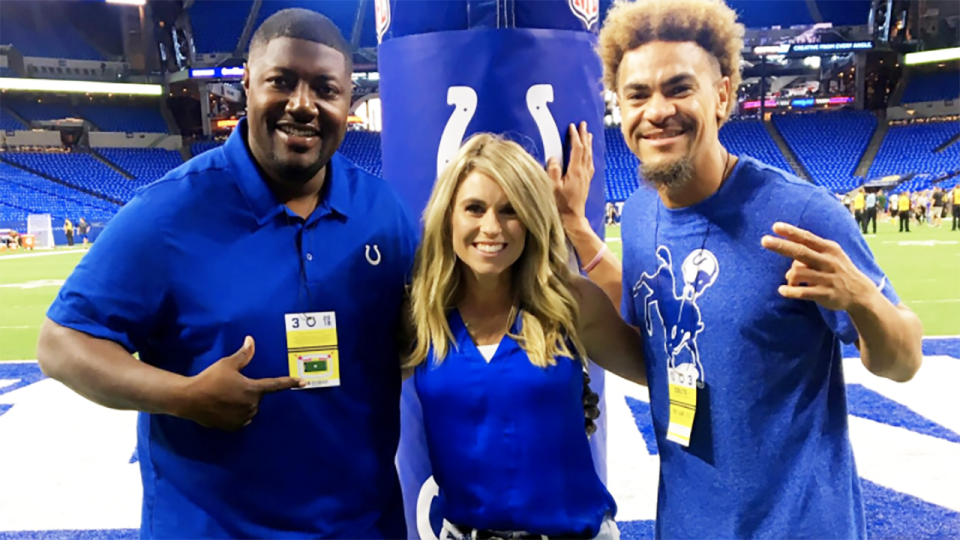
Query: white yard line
point(40, 254)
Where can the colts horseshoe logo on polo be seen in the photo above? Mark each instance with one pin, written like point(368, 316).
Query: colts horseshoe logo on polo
point(371, 260)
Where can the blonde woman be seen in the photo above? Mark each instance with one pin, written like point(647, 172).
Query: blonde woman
point(502, 330)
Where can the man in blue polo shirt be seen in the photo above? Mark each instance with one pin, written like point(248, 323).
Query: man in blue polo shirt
point(264, 308)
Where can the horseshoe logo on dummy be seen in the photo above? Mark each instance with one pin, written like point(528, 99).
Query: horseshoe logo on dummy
point(464, 100)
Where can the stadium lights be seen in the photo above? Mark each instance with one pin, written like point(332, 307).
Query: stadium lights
point(928, 57)
point(80, 87)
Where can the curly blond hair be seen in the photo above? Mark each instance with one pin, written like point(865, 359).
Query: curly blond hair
point(711, 24)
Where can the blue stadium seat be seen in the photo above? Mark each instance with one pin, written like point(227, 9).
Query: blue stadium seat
point(26, 193)
point(32, 110)
point(741, 137)
point(79, 170)
point(939, 86)
point(9, 123)
point(622, 177)
point(750, 138)
point(909, 149)
point(198, 148)
point(829, 144)
point(147, 165)
point(128, 119)
point(363, 148)
point(217, 24)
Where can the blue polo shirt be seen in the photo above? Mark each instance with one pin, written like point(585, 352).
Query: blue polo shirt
point(208, 255)
point(769, 454)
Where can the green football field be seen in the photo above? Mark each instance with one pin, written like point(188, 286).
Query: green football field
point(924, 266)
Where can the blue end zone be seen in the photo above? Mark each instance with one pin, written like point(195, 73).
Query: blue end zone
point(27, 373)
point(641, 416)
point(868, 404)
point(113, 534)
point(892, 515)
point(931, 347)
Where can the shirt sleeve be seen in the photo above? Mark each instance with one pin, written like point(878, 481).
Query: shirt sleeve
point(409, 241)
point(827, 218)
point(118, 290)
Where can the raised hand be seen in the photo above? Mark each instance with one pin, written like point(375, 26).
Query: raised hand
point(821, 272)
point(572, 189)
point(221, 397)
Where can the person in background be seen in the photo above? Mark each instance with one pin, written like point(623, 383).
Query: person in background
point(903, 210)
point(859, 204)
point(870, 212)
point(955, 222)
point(68, 230)
point(83, 228)
point(936, 207)
point(882, 206)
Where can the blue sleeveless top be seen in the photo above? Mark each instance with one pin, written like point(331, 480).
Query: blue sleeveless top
point(506, 440)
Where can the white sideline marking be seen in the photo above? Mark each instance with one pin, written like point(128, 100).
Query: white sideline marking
point(41, 254)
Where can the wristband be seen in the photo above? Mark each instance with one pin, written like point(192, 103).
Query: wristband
point(596, 260)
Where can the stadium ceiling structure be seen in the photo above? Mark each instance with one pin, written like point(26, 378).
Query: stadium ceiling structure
point(785, 13)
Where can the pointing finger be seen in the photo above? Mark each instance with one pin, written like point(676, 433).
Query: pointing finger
point(267, 386)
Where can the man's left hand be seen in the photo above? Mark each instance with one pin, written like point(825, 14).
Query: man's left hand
point(821, 270)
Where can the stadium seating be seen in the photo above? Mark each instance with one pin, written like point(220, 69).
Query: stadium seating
point(9, 123)
point(198, 148)
point(741, 137)
point(621, 167)
point(363, 148)
point(32, 110)
point(217, 24)
point(938, 86)
point(750, 138)
point(80, 170)
point(28, 193)
point(829, 144)
point(7, 72)
point(909, 149)
point(146, 165)
point(144, 119)
point(51, 38)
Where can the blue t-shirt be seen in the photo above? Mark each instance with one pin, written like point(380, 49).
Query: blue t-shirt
point(208, 255)
point(506, 440)
point(769, 453)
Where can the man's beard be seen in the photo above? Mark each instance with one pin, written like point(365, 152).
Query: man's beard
point(672, 175)
point(295, 174)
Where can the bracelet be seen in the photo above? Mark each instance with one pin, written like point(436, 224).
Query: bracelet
point(596, 260)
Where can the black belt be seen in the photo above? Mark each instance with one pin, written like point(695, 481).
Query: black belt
point(486, 534)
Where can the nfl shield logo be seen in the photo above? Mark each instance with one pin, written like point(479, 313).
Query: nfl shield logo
point(382, 9)
point(587, 11)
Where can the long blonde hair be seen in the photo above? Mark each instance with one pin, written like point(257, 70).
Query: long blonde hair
point(541, 278)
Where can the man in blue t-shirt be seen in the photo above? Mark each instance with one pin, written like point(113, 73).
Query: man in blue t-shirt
point(264, 307)
point(741, 298)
